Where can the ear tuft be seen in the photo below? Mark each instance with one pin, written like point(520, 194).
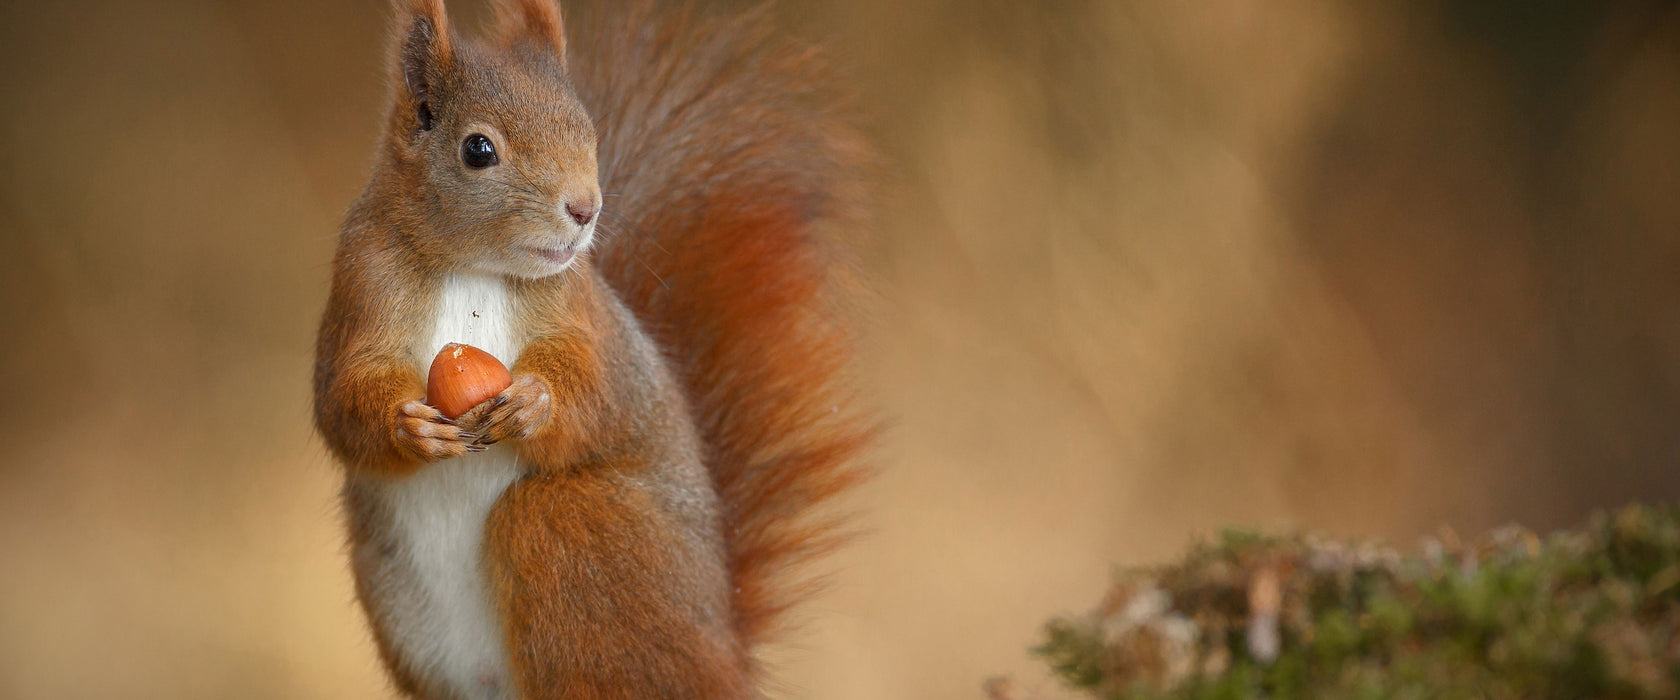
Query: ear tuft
point(530, 19)
point(423, 49)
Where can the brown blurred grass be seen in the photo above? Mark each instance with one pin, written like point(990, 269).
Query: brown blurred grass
point(1146, 270)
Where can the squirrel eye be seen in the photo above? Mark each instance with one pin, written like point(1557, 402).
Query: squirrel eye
point(478, 153)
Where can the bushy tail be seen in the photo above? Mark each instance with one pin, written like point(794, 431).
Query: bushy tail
point(726, 161)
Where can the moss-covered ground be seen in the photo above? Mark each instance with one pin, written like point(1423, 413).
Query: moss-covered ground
point(1587, 613)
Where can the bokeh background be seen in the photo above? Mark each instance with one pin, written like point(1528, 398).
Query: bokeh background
point(1144, 269)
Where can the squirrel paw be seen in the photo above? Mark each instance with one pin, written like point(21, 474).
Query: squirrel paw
point(518, 412)
point(423, 433)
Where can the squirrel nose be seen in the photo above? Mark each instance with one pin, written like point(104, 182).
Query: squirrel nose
point(582, 213)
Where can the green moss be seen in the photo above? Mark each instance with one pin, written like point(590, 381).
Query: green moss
point(1590, 613)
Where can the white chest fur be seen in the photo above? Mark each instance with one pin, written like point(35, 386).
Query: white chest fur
point(444, 625)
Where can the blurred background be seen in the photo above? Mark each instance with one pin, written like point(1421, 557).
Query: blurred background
point(1146, 269)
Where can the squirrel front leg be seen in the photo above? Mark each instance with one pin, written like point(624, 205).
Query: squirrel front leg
point(553, 406)
point(374, 417)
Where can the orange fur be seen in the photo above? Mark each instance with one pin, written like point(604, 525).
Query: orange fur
point(677, 410)
point(731, 156)
point(577, 589)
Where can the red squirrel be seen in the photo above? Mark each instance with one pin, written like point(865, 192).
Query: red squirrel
point(635, 223)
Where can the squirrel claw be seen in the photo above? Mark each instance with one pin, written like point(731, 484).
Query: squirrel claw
point(515, 413)
point(424, 434)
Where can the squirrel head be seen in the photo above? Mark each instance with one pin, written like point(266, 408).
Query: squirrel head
point(491, 154)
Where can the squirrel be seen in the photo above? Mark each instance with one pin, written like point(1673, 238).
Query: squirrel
point(637, 223)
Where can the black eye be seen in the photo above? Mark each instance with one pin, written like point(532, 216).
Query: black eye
point(478, 153)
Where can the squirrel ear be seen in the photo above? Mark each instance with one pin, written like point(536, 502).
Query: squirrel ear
point(534, 19)
point(423, 48)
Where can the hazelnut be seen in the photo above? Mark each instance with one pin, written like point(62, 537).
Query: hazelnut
point(462, 377)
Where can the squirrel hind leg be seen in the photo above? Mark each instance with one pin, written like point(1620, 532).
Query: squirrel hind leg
point(593, 601)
